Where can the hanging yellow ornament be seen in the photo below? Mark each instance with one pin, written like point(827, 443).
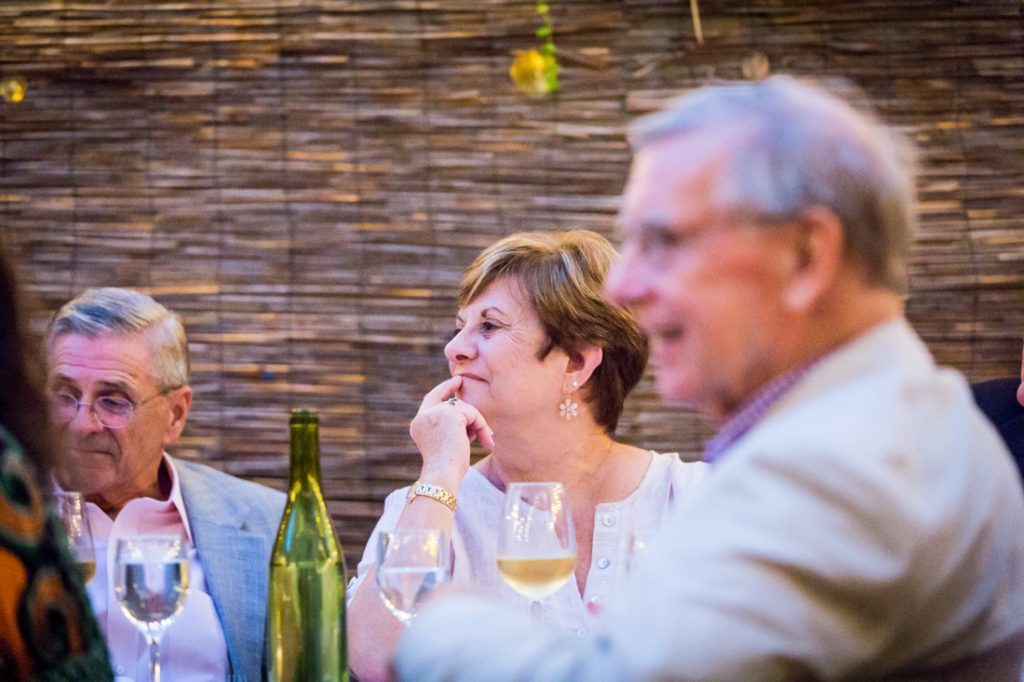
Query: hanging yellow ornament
point(535, 72)
point(12, 89)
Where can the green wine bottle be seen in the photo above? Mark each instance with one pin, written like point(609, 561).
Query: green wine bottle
point(306, 605)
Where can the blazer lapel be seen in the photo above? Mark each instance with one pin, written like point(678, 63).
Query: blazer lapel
point(232, 558)
point(230, 542)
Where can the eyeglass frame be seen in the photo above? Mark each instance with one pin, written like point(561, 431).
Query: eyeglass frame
point(133, 407)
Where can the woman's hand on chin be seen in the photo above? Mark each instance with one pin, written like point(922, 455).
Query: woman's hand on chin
point(443, 430)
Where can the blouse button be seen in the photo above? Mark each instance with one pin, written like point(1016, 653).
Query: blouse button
point(608, 520)
point(581, 633)
point(603, 562)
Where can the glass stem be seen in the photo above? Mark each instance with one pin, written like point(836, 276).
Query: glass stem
point(154, 657)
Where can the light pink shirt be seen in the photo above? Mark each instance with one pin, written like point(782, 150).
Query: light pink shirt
point(193, 646)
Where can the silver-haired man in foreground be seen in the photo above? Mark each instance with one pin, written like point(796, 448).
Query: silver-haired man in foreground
point(862, 520)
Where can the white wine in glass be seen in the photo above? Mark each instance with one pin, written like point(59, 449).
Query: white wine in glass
point(537, 578)
point(537, 544)
point(151, 581)
point(71, 509)
point(411, 564)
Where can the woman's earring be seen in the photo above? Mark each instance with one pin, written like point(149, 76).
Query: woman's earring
point(568, 408)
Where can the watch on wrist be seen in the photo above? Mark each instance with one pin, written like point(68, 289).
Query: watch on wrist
point(434, 492)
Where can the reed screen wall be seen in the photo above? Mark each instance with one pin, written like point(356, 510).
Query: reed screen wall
point(305, 181)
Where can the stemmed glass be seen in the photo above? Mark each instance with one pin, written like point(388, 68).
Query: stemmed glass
point(410, 565)
point(537, 544)
point(151, 582)
point(71, 508)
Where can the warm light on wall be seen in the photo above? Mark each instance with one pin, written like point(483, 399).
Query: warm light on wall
point(12, 89)
point(698, 32)
point(755, 66)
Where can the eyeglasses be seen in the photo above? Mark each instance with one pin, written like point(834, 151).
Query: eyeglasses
point(111, 412)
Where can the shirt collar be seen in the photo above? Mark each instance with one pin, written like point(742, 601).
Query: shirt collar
point(755, 409)
point(175, 497)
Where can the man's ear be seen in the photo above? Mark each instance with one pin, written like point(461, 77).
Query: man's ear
point(819, 245)
point(181, 402)
point(582, 363)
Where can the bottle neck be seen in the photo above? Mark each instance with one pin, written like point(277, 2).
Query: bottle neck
point(305, 454)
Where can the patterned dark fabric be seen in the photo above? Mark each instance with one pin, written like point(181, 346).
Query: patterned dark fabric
point(47, 630)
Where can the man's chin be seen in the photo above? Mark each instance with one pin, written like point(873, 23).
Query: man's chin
point(70, 479)
point(674, 393)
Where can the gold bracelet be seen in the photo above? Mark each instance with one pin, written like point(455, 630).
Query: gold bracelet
point(434, 492)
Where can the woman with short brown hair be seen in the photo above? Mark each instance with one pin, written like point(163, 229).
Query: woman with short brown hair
point(541, 364)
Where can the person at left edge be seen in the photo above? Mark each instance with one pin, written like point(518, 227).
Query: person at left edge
point(118, 380)
point(46, 629)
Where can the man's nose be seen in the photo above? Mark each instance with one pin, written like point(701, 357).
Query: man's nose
point(85, 419)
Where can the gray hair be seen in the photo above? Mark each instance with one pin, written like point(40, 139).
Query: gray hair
point(801, 146)
point(110, 310)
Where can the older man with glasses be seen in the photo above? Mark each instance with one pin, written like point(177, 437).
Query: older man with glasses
point(861, 520)
point(118, 382)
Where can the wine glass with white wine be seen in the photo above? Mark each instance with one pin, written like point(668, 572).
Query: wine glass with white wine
point(151, 581)
point(537, 544)
point(71, 509)
point(411, 564)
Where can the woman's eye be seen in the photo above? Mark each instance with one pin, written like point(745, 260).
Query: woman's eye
point(488, 327)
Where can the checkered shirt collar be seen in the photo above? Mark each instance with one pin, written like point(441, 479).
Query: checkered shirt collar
point(755, 409)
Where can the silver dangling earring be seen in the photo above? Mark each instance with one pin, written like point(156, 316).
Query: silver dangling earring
point(568, 408)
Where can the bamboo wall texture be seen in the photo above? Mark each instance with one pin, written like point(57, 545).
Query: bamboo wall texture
point(305, 181)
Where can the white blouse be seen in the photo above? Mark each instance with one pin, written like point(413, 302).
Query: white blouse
point(667, 482)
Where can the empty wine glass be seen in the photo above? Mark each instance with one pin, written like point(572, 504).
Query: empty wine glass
point(71, 508)
point(410, 565)
point(151, 583)
point(536, 544)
